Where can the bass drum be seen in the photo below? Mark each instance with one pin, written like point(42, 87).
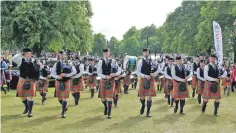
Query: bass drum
point(130, 62)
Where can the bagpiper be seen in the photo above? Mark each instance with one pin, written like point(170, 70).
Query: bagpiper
point(29, 74)
point(42, 86)
point(180, 86)
point(9, 64)
point(201, 80)
point(77, 81)
point(212, 87)
point(63, 72)
point(107, 70)
point(194, 76)
point(118, 86)
point(126, 80)
point(146, 82)
point(169, 81)
point(92, 76)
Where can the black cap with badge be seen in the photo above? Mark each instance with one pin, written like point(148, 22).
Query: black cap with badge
point(178, 57)
point(145, 49)
point(105, 50)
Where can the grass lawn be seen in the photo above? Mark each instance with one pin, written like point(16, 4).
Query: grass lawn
point(88, 116)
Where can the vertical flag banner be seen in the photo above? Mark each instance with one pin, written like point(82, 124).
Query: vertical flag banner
point(218, 42)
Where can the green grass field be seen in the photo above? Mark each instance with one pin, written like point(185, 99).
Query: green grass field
point(88, 116)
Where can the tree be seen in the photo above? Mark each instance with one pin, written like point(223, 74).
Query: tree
point(99, 44)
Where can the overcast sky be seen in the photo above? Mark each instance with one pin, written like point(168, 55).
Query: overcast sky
point(115, 17)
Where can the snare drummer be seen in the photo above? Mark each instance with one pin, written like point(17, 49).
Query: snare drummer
point(29, 74)
point(169, 82)
point(201, 80)
point(146, 83)
point(92, 76)
point(107, 70)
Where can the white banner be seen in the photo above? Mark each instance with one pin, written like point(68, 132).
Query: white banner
point(218, 42)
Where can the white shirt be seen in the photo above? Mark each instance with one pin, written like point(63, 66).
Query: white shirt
point(99, 68)
point(165, 73)
point(81, 68)
point(208, 78)
point(87, 70)
point(139, 66)
point(54, 73)
point(174, 75)
point(198, 74)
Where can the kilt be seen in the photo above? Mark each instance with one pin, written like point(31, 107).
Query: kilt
point(3, 79)
point(223, 83)
point(79, 87)
point(167, 90)
point(199, 87)
point(94, 83)
point(177, 93)
point(126, 80)
point(8, 75)
point(21, 92)
point(194, 81)
point(44, 88)
point(66, 92)
point(146, 92)
point(117, 87)
point(106, 93)
point(207, 94)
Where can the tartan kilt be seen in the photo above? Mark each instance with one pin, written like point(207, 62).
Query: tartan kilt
point(163, 82)
point(179, 94)
point(79, 87)
point(106, 93)
point(66, 92)
point(167, 90)
point(194, 81)
point(94, 83)
point(146, 92)
point(44, 88)
point(223, 83)
point(8, 75)
point(3, 79)
point(118, 88)
point(21, 92)
point(199, 88)
point(126, 80)
point(207, 94)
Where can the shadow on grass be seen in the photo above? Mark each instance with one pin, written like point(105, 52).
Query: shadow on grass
point(161, 101)
point(39, 121)
point(126, 124)
point(87, 122)
point(163, 108)
point(205, 119)
point(191, 101)
point(11, 117)
point(195, 108)
point(170, 119)
point(51, 108)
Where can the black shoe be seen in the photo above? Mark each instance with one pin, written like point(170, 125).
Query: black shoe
point(228, 94)
point(66, 109)
point(216, 114)
point(25, 111)
point(181, 112)
point(30, 115)
point(148, 115)
point(175, 110)
point(105, 112)
point(203, 109)
point(109, 117)
point(142, 110)
point(63, 115)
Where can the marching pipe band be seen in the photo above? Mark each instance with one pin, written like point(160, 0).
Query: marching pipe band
point(108, 74)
